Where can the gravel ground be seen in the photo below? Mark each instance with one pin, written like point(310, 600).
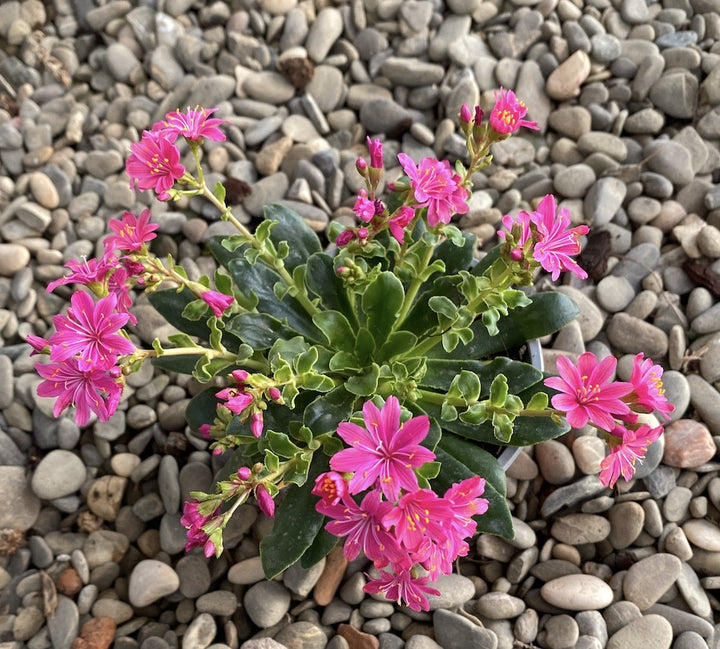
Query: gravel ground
point(627, 96)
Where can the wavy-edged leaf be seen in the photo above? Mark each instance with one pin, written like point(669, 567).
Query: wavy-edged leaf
point(381, 303)
point(337, 330)
point(171, 304)
point(201, 409)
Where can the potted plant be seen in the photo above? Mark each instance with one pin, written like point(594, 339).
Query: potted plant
point(363, 388)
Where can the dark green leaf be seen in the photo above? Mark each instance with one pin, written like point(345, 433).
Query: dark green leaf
point(201, 409)
point(487, 261)
point(548, 313)
point(184, 364)
point(322, 279)
point(259, 330)
point(320, 548)
point(456, 258)
point(381, 303)
point(364, 345)
point(280, 444)
point(364, 385)
point(297, 523)
point(337, 329)
point(171, 304)
point(325, 413)
point(260, 279)
point(520, 376)
point(293, 229)
point(397, 343)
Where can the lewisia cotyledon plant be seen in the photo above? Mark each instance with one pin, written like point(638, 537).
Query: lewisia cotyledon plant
point(363, 389)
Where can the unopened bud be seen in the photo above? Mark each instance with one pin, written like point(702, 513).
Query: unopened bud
point(362, 233)
point(275, 394)
point(465, 114)
point(516, 254)
point(240, 375)
point(256, 424)
point(244, 473)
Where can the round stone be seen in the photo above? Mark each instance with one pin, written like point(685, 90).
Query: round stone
point(19, 506)
point(626, 522)
point(647, 632)
point(150, 581)
point(499, 606)
point(555, 462)
point(266, 603)
point(577, 593)
point(703, 534)
point(60, 473)
point(688, 444)
point(576, 529)
point(647, 580)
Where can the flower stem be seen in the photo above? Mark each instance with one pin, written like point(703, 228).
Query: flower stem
point(413, 289)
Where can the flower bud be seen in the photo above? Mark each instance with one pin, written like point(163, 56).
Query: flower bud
point(240, 375)
point(256, 424)
point(218, 450)
point(376, 153)
point(275, 394)
point(265, 501)
point(465, 114)
point(516, 254)
point(362, 233)
point(479, 114)
point(209, 549)
point(361, 166)
point(204, 430)
point(344, 238)
point(244, 473)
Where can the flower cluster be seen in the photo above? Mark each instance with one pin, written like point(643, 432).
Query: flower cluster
point(587, 395)
point(399, 317)
point(397, 523)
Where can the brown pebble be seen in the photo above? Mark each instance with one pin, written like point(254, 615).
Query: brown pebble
point(688, 444)
point(96, 633)
point(331, 576)
point(69, 582)
point(357, 639)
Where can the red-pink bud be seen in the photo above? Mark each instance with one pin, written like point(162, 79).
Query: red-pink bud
point(362, 233)
point(256, 424)
point(465, 114)
point(361, 166)
point(204, 430)
point(240, 375)
point(516, 254)
point(479, 114)
point(244, 473)
point(344, 238)
point(209, 549)
point(218, 450)
point(265, 501)
point(376, 153)
point(275, 394)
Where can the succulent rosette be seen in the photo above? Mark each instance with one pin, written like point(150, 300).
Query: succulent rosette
point(358, 391)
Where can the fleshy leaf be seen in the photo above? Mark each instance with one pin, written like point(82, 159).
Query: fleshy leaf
point(292, 228)
point(381, 303)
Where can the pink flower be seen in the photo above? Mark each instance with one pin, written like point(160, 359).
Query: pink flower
point(435, 187)
point(154, 164)
point(465, 502)
point(237, 399)
point(555, 242)
point(586, 395)
point(204, 430)
point(88, 332)
point(265, 501)
point(117, 285)
point(403, 587)
point(623, 455)
point(131, 233)
point(193, 125)
point(330, 486)
point(376, 153)
point(88, 271)
point(91, 390)
point(506, 116)
point(384, 450)
point(218, 302)
point(364, 208)
point(648, 392)
point(465, 114)
point(420, 514)
point(520, 228)
point(362, 527)
point(397, 224)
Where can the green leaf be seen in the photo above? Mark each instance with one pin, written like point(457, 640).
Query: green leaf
point(297, 523)
point(397, 343)
point(321, 546)
point(456, 258)
point(502, 427)
point(317, 382)
point(281, 444)
point(325, 413)
point(305, 361)
point(548, 313)
point(429, 470)
point(201, 409)
point(499, 391)
point(344, 362)
point(364, 345)
point(259, 330)
point(260, 279)
point(337, 329)
point(381, 303)
point(364, 385)
point(444, 306)
point(183, 364)
point(171, 304)
point(440, 373)
point(469, 385)
point(322, 279)
point(219, 191)
point(539, 401)
point(292, 228)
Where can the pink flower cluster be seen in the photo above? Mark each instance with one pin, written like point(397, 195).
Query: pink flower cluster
point(507, 115)
point(553, 242)
point(587, 395)
point(154, 162)
point(397, 525)
point(89, 341)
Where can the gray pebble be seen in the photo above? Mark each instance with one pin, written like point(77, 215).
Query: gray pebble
point(266, 603)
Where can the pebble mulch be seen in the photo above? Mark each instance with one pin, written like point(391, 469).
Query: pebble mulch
point(627, 96)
